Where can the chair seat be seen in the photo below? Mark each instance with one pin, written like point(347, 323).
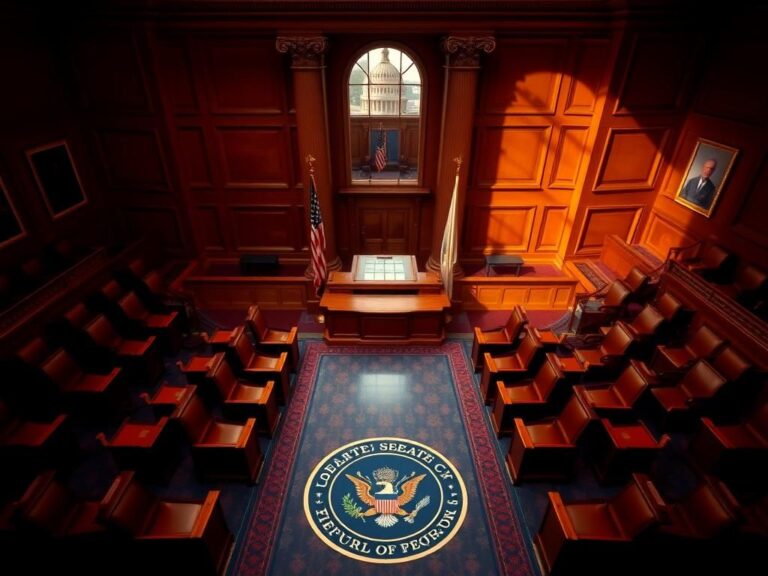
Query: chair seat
point(519, 394)
point(85, 520)
point(174, 518)
point(221, 433)
point(135, 347)
point(498, 337)
point(677, 357)
point(593, 356)
point(511, 362)
point(160, 320)
point(136, 434)
point(548, 433)
point(89, 383)
point(247, 393)
point(740, 437)
point(591, 520)
point(602, 397)
point(30, 434)
point(275, 336)
point(671, 398)
point(264, 363)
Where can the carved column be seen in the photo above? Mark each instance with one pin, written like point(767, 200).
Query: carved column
point(308, 66)
point(462, 68)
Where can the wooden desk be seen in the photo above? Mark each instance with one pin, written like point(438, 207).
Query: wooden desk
point(384, 318)
point(492, 260)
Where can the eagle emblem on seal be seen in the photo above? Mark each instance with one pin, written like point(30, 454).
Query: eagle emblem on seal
point(387, 502)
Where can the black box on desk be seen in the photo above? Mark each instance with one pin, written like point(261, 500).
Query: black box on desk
point(259, 264)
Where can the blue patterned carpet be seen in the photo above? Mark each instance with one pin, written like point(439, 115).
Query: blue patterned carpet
point(423, 394)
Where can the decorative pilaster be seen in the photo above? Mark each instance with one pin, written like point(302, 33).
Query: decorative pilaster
point(308, 66)
point(462, 55)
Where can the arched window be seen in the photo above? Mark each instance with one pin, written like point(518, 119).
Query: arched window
point(385, 95)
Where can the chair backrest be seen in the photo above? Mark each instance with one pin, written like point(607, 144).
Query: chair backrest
point(616, 341)
point(194, 417)
point(632, 511)
point(573, 419)
point(101, 331)
point(222, 375)
point(705, 343)
point(45, 504)
point(758, 422)
point(61, 368)
point(127, 505)
point(636, 281)
point(132, 306)
point(78, 316)
point(515, 324)
point(713, 256)
point(34, 352)
point(750, 278)
point(707, 512)
point(547, 378)
point(648, 321)
point(631, 383)
point(702, 381)
point(668, 306)
point(617, 294)
point(255, 320)
point(111, 290)
point(731, 364)
point(528, 348)
point(241, 345)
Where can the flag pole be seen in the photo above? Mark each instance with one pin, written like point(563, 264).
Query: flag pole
point(449, 246)
point(309, 159)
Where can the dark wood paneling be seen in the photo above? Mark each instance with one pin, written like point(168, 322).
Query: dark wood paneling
point(134, 159)
point(656, 74)
point(209, 228)
point(568, 156)
point(110, 73)
point(512, 156)
point(176, 76)
point(264, 228)
point(160, 226)
point(524, 76)
point(631, 159)
point(499, 229)
point(603, 221)
point(254, 157)
point(587, 76)
point(193, 158)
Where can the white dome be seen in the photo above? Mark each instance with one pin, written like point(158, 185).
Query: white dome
point(385, 72)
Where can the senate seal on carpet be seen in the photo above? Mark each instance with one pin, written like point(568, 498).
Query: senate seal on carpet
point(385, 500)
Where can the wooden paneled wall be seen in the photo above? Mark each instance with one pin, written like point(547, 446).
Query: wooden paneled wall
point(540, 100)
point(36, 110)
point(730, 108)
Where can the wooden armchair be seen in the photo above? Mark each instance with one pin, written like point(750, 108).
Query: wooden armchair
point(547, 450)
point(541, 396)
point(220, 450)
point(737, 453)
point(56, 529)
point(620, 449)
point(140, 358)
point(500, 340)
point(711, 261)
point(95, 396)
point(152, 449)
point(599, 536)
point(259, 368)
point(611, 352)
point(148, 284)
point(601, 308)
point(242, 400)
point(749, 286)
point(703, 344)
point(165, 536)
point(676, 316)
point(523, 361)
point(143, 323)
point(698, 388)
point(617, 400)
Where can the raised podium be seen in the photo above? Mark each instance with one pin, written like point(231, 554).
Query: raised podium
point(384, 299)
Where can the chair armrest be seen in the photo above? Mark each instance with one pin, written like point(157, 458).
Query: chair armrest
point(523, 433)
point(558, 508)
point(247, 432)
point(207, 509)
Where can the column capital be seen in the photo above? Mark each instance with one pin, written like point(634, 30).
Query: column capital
point(305, 51)
point(464, 51)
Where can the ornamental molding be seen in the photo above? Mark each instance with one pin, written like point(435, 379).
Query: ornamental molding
point(464, 51)
point(305, 51)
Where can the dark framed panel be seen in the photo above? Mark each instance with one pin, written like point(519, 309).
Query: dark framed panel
point(57, 178)
point(11, 227)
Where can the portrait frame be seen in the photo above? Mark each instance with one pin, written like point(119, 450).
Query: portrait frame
point(57, 178)
point(11, 226)
point(706, 150)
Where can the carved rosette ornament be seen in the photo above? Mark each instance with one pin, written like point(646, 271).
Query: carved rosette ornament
point(305, 51)
point(464, 51)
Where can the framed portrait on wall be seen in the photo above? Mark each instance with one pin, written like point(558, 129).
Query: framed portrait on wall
point(57, 178)
point(705, 177)
point(11, 227)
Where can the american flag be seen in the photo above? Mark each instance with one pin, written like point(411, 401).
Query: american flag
point(381, 151)
point(317, 238)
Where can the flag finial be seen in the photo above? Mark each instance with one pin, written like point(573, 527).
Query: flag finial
point(309, 159)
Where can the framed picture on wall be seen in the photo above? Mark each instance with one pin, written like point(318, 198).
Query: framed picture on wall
point(705, 177)
point(57, 178)
point(11, 227)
